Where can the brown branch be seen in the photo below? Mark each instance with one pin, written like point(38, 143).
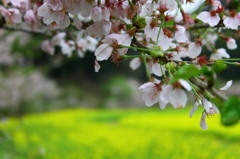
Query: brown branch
point(25, 30)
point(212, 90)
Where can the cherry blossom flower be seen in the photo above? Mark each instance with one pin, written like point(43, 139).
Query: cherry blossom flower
point(99, 14)
point(233, 21)
point(231, 44)
point(135, 63)
point(211, 18)
point(47, 47)
point(85, 43)
point(99, 29)
point(160, 31)
point(169, 4)
point(97, 66)
point(103, 52)
point(75, 6)
point(57, 18)
point(157, 69)
point(151, 30)
point(55, 5)
point(164, 40)
point(67, 47)
point(180, 35)
point(219, 54)
point(203, 123)
point(12, 15)
point(216, 4)
point(22, 4)
point(174, 94)
point(150, 92)
point(210, 109)
point(30, 19)
point(194, 49)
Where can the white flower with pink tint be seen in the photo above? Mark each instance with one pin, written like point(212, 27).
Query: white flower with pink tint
point(12, 15)
point(99, 29)
point(233, 21)
point(180, 35)
point(182, 51)
point(47, 47)
point(85, 7)
point(150, 92)
point(147, 9)
point(58, 19)
point(151, 30)
point(194, 49)
point(169, 4)
point(67, 47)
point(85, 44)
point(210, 18)
point(135, 63)
point(216, 4)
point(103, 52)
point(72, 6)
point(99, 14)
point(97, 67)
point(175, 94)
point(165, 39)
point(231, 44)
point(55, 5)
point(219, 54)
point(158, 69)
point(210, 110)
point(96, 13)
point(30, 18)
point(122, 39)
point(22, 4)
point(203, 123)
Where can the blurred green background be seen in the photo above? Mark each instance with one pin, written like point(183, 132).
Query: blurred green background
point(55, 107)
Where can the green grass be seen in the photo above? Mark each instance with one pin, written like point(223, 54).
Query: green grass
point(117, 134)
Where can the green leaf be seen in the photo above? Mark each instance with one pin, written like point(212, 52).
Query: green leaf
point(185, 72)
point(230, 113)
point(205, 71)
point(219, 66)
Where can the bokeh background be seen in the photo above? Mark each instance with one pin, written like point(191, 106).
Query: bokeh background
point(57, 107)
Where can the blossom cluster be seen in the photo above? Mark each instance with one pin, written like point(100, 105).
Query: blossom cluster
point(167, 37)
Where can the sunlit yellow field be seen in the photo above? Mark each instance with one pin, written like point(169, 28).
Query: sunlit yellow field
point(117, 134)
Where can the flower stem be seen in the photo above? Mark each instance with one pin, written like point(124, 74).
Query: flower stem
point(132, 47)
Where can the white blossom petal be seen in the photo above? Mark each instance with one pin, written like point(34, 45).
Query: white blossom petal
point(231, 44)
point(150, 93)
point(185, 84)
point(103, 52)
point(231, 23)
point(135, 63)
point(203, 121)
point(178, 98)
point(97, 66)
point(156, 69)
point(194, 50)
point(207, 105)
point(227, 86)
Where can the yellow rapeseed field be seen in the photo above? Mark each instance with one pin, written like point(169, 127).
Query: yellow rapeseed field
point(117, 134)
